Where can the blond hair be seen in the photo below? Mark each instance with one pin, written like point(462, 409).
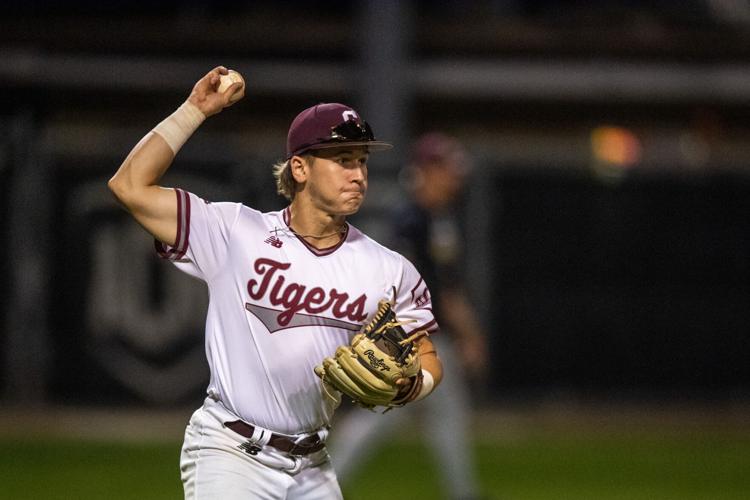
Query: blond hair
point(286, 185)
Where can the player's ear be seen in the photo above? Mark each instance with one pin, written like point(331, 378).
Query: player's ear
point(300, 166)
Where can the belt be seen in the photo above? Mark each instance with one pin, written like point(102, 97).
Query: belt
point(310, 444)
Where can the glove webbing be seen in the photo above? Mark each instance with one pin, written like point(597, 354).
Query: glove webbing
point(384, 322)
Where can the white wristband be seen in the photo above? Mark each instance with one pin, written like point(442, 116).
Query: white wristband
point(177, 128)
point(428, 383)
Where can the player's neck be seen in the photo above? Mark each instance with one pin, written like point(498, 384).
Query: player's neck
point(317, 228)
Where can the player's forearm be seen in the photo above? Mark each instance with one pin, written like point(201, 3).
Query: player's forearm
point(142, 169)
point(135, 184)
point(428, 358)
point(152, 156)
point(432, 364)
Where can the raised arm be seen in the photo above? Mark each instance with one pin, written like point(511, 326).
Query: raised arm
point(135, 184)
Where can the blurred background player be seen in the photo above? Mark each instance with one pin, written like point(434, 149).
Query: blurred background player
point(428, 230)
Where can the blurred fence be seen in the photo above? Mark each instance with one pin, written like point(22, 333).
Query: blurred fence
point(635, 291)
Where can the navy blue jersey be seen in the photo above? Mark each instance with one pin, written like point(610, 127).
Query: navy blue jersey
point(435, 243)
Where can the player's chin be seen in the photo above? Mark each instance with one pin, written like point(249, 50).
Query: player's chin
point(352, 203)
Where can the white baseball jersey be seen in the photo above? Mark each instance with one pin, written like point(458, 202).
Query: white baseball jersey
point(278, 306)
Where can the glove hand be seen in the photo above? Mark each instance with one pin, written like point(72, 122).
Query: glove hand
point(380, 367)
point(409, 388)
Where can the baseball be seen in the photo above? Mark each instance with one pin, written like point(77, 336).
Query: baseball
point(226, 80)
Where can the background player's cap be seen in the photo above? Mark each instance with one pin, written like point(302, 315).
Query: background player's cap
point(436, 148)
point(330, 125)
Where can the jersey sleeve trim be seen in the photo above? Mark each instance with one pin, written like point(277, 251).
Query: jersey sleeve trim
point(182, 240)
point(424, 298)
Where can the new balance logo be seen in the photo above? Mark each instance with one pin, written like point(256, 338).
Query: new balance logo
point(274, 241)
point(250, 448)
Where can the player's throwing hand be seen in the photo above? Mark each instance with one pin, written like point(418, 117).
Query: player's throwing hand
point(207, 97)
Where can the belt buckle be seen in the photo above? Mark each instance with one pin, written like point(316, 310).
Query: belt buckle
point(296, 451)
point(300, 449)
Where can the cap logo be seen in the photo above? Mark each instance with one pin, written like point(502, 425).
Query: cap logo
point(350, 114)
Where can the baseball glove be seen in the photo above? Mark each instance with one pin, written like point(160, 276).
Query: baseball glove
point(379, 355)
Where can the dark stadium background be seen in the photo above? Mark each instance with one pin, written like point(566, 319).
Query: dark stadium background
point(609, 234)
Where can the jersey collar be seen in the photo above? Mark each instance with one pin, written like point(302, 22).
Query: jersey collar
point(320, 252)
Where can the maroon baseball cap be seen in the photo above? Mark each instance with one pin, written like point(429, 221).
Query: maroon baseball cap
point(439, 148)
point(330, 125)
point(434, 147)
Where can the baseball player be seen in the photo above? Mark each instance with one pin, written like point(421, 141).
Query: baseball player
point(286, 288)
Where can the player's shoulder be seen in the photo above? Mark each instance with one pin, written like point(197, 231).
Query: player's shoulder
point(235, 210)
point(239, 207)
point(259, 217)
point(366, 244)
point(389, 263)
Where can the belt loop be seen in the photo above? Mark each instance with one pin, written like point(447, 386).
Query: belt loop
point(260, 436)
point(255, 443)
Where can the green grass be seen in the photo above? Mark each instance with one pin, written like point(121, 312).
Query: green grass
point(693, 467)
point(710, 465)
point(705, 466)
point(62, 469)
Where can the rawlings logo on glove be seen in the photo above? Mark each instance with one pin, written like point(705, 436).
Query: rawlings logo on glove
point(379, 356)
point(375, 361)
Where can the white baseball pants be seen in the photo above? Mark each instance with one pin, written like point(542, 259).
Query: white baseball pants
point(214, 467)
